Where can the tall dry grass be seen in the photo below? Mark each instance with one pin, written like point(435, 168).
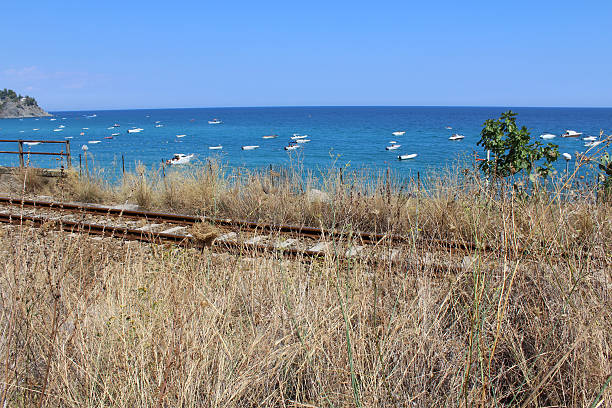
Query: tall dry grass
point(93, 323)
point(99, 323)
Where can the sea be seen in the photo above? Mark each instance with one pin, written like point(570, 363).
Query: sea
point(347, 137)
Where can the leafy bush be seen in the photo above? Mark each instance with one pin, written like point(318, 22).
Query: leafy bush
point(511, 149)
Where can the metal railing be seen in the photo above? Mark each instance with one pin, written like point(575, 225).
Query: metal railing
point(21, 153)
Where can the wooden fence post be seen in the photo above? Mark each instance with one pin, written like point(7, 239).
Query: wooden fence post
point(68, 157)
point(21, 162)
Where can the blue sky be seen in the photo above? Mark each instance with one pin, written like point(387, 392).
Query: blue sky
point(74, 55)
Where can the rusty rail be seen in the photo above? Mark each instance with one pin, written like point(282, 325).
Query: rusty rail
point(21, 153)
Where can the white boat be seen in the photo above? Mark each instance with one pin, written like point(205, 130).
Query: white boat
point(68, 137)
point(35, 129)
point(85, 128)
point(449, 128)
point(592, 144)
point(547, 136)
point(567, 156)
point(93, 141)
point(215, 121)
point(110, 128)
point(571, 133)
point(249, 147)
point(181, 135)
point(22, 131)
point(393, 147)
point(590, 138)
point(269, 137)
point(179, 158)
point(31, 143)
point(57, 130)
point(116, 125)
point(456, 136)
point(399, 133)
point(303, 140)
point(297, 137)
point(158, 126)
point(392, 142)
point(219, 147)
point(52, 119)
point(115, 134)
point(292, 147)
point(137, 130)
point(158, 121)
point(407, 156)
point(61, 126)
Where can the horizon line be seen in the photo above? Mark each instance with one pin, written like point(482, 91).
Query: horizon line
point(337, 106)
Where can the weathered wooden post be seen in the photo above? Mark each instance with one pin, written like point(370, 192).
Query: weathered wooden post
point(68, 157)
point(21, 162)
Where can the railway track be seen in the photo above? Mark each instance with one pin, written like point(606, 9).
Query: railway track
point(234, 235)
point(159, 227)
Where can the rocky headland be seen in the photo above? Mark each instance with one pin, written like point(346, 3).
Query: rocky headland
point(13, 105)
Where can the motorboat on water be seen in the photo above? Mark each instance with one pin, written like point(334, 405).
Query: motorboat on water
point(218, 147)
point(181, 135)
point(297, 137)
point(137, 130)
point(449, 128)
point(393, 147)
point(547, 136)
point(179, 158)
point(407, 156)
point(399, 133)
point(57, 130)
point(215, 121)
point(269, 136)
point(52, 119)
point(392, 142)
point(35, 129)
point(456, 136)
point(61, 126)
point(108, 137)
point(303, 140)
point(158, 126)
point(292, 146)
point(571, 133)
point(115, 134)
point(93, 141)
point(116, 125)
point(250, 147)
point(590, 138)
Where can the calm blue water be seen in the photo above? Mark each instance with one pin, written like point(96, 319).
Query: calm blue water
point(342, 135)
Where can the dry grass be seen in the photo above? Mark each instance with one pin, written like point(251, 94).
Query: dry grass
point(102, 323)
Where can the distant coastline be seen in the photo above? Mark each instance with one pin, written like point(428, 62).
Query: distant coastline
point(14, 106)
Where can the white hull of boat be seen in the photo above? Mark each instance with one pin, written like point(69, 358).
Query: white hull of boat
point(215, 147)
point(303, 140)
point(393, 147)
point(298, 137)
point(399, 133)
point(249, 147)
point(181, 159)
point(456, 137)
point(270, 137)
point(292, 147)
point(407, 156)
point(547, 136)
point(138, 130)
point(571, 133)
